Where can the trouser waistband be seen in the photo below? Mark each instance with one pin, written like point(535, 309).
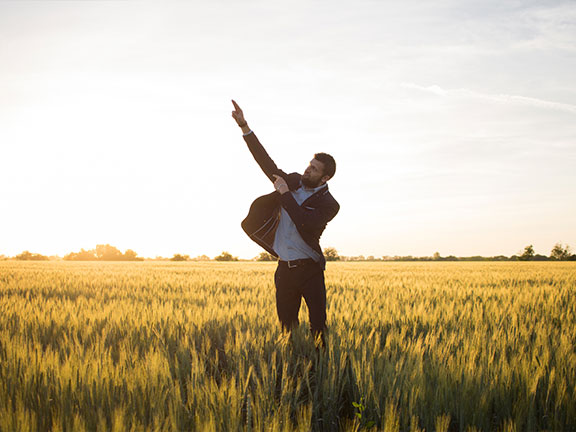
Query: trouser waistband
point(297, 263)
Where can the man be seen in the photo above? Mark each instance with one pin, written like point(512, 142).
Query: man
point(288, 224)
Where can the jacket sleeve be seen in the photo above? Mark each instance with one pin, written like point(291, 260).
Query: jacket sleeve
point(260, 155)
point(308, 219)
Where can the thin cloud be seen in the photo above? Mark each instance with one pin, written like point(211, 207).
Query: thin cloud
point(496, 98)
point(554, 27)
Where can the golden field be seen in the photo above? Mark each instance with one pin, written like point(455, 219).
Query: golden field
point(164, 346)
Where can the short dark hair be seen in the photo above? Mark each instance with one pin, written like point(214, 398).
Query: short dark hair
point(328, 162)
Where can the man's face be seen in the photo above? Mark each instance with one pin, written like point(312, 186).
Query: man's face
point(314, 175)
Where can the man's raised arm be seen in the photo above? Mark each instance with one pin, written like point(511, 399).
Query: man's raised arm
point(257, 150)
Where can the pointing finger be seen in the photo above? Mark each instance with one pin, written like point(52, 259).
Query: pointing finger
point(236, 105)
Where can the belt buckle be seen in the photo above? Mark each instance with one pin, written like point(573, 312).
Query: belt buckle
point(290, 266)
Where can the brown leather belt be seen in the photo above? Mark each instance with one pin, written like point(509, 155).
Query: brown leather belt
point(297, 263)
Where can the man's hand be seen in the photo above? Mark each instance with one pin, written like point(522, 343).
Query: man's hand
point(238, 115)
point(280, 184)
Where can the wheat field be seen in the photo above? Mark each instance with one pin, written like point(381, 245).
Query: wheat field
point(158, 346)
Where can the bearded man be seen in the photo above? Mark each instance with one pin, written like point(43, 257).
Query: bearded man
point(288, 224)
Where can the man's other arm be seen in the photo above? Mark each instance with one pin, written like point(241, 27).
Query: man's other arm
point(306, 219)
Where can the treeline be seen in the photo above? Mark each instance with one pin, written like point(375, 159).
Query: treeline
point(29, 256)
point(99, 253)
point(224, 256)
point(103, 253)
point(558, 253)
point(107, 252)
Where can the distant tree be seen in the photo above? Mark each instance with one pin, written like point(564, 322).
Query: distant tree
point(528, 254)
point(130, 255)
point(560, 253)
point(179, 257)
point(108, 253)
point(539, 257)
point(355, 258)
point(225, 256)
point(265, 256)
point(29, 256)
point(83, 255)
point(436, 256)
point(331, 254)
point(476, 258)
point(103, 253)
point(500, 258)
point(159, 258)
point(201, 258)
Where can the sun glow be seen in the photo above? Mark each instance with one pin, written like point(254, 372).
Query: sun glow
point(115, 124)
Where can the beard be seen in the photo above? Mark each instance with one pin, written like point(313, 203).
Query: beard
point(310, 182)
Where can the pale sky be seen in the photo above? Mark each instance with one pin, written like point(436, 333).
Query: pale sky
point(453, 123)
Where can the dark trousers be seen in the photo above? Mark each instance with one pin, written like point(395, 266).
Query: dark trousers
point(292, 284)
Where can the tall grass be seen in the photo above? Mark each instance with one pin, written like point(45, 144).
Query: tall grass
point(197, 346)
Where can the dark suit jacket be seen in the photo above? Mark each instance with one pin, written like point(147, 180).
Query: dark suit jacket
point(310, 217)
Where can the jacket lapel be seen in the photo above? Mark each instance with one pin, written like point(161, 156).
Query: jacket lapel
point(315, 195)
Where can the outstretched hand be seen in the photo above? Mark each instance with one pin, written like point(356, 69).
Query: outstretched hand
point(238, 115)
point(280, 184)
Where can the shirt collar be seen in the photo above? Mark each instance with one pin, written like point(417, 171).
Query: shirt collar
point(312, 190)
